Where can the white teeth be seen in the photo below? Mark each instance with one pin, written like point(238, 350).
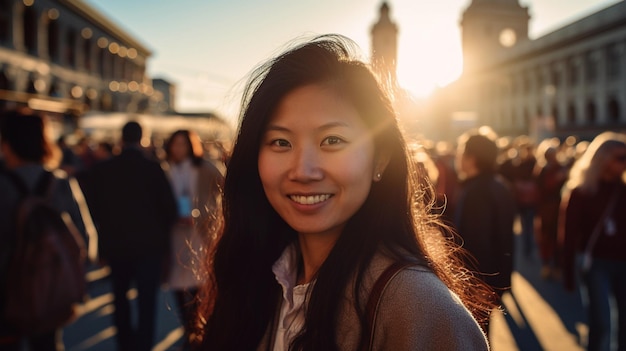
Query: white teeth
point(309, 200)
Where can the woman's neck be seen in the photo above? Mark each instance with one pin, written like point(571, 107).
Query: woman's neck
point(314, 249)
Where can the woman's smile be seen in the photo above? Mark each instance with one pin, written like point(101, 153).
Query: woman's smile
point(309, 199)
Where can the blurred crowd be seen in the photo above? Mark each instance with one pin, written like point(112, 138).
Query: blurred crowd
point(551, 192)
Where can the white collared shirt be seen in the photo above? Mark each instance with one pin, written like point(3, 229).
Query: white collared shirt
point(292, 311)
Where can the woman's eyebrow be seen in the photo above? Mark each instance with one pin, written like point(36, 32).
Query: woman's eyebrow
point(275, 127)
point(329, 125)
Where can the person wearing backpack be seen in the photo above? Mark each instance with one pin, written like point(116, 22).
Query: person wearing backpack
point(28, 156)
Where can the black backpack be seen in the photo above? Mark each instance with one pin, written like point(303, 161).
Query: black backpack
point(46, 271)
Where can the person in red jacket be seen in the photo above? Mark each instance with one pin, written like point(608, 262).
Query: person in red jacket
point(594, 205)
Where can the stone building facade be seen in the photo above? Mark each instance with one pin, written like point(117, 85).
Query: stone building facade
point(571, 81)
point(65, 56)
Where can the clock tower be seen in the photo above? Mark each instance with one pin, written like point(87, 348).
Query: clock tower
point(385, 45)
point(490, 26)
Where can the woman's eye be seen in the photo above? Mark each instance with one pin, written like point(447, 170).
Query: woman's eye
point(332, 140)
point(280, 143)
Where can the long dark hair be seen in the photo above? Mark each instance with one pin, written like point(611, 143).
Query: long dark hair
point(243, 295)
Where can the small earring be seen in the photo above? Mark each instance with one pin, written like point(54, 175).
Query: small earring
point(378, 176)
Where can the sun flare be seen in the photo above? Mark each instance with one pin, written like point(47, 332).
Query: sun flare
point(422, 70)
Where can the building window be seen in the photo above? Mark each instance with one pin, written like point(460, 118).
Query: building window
point(556, 77)
point(614, 111)
point(571, 114)
point(4, 82)
point(613, 62)
point(30, 30)
point(573, 73)
point(30, 88)
point(53, 40)
point(540, 81)
point(54, 90)
point(103, 62)
point(554, 116)
point(5, 21)
point(525, 84)
point(119, 67)
point(590, 112)
point(139, 72)
point(128, 71)
point(87, 50)
point(591, 68)
point(70, 48)
point(526, 119)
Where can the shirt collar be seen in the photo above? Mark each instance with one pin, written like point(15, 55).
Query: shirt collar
point(286, 269)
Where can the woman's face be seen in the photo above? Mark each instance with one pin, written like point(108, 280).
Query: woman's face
point(179, 148)
point(316, 160)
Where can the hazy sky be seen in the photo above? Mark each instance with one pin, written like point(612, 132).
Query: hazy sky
point(207, 47)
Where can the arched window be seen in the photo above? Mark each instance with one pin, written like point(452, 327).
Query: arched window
point(31, 86)
point(5, 21)
point(5, 84)
point(613, 111)
point(103, 62)
point(573, 72)
point(87, 50)
point(54, 90)
point(526, 120)
point(614, 59)
point(30, 30)
point(70, 47)
point(571, 114)
point(591, 68)
point(554, 116)
point(87, 101)
point(53, 40)
point(590, 113)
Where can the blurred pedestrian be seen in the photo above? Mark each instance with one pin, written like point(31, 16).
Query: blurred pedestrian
point(551, 176)
point(30, 155)
point(447, 185)
point(321, 198)
point(70, 161)
point(519, 171)
point(134, 208)
point(595, 227)
point(485, 210)
point(103, 151)
point(197, 187)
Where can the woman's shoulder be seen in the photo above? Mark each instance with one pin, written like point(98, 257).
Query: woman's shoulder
point(415, 282)
point(416, 299)
point(420, 282)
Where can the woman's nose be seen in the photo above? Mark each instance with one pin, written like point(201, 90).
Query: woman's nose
point(306, 165)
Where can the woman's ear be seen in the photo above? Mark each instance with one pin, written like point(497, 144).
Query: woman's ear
point(380, 164)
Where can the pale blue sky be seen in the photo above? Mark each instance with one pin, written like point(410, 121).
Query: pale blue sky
point(207, 47)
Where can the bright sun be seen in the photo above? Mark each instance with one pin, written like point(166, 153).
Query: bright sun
point(429, 46)
point(422, 72)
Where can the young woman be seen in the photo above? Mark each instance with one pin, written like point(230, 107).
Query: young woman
point(594, 204)
point(196, 184)
point(320, 197)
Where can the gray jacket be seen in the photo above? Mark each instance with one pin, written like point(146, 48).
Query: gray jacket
point(417, 311)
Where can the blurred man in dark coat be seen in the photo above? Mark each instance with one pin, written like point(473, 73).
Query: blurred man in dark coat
point(134, 208)
point(485, 211)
